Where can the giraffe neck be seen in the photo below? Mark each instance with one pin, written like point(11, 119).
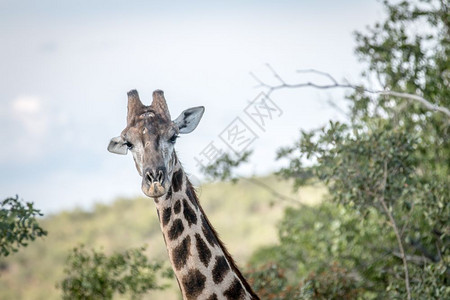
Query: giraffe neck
point(203, 267)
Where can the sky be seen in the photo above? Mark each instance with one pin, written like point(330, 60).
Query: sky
point(66, 66)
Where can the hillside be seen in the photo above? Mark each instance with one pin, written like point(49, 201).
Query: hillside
point(244, 214)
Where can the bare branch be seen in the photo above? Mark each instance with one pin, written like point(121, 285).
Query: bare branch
point(418, 98)
point(271, 190)
point(259, 81)
point(320, 73)
point(396, 231)
point(275, 74)
point(335, 84)
point(415, 259)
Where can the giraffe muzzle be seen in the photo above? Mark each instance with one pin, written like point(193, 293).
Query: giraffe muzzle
point(153, 182)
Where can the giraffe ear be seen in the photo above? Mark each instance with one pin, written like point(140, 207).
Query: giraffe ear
point(189, 119)
point(118, 145)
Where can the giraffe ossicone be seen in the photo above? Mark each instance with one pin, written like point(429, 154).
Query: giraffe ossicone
point(203, 267)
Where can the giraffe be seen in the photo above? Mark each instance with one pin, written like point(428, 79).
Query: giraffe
point(203, 267)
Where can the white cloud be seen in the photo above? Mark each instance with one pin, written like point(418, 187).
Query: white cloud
point(27, 105)
point(32, 128)
point(28, 111)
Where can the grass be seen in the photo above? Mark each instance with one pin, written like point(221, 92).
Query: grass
point(244, 214)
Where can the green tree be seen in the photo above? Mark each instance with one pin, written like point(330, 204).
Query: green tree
point(388, 167)
point(18, 225)
point(328, 251)
point(394, 155)
point(95, 275)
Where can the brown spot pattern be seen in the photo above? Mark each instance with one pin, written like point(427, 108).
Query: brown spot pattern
point(176, 230)
point(190, 194)
point(209, 235)
point(193, 283)
point(181, 253)
point(212, 297)
point(167, 212)
point(189, 213)
point(169, 193)
point(202, 249)
point(177, 180)
point(235, 291)
point(220, 269)
point(177, 207)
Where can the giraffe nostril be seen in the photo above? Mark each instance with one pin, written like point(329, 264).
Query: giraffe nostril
point(160, 177)
point(149, 177)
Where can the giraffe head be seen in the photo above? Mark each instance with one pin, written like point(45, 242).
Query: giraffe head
point(150, 135)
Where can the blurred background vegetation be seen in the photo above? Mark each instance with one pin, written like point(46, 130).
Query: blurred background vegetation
point(132, 223)
point(367, 210)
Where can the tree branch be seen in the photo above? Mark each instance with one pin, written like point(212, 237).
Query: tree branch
point(415, 259)
point(335, 84)
point(272, 191)
point(396, 231)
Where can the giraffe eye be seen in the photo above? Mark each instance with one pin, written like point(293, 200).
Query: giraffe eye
point(129, 145)
point(173, 139)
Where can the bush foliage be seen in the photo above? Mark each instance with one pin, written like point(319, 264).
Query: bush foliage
point(95, 275)
point(18, 225)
